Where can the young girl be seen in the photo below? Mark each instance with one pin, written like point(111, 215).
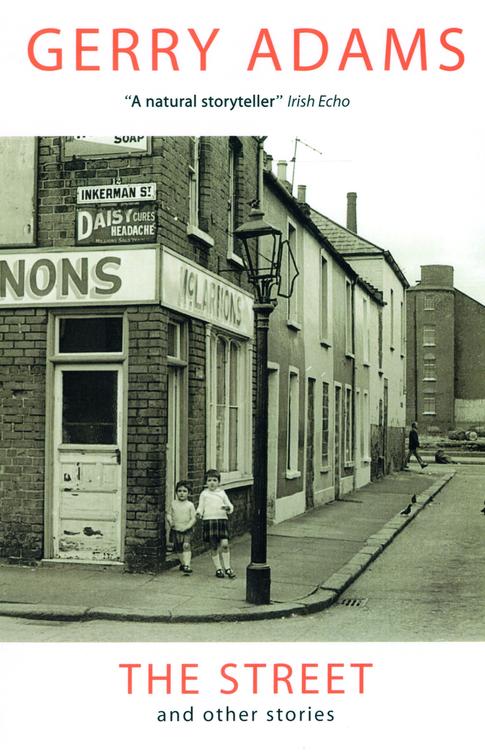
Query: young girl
point(214, 505)
point(180, 518)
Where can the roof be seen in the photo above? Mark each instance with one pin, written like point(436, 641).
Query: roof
point(305, 215)
point(348, 243)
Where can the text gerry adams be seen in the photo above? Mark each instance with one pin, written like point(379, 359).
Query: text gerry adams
point(255, 677)
point(47, 49)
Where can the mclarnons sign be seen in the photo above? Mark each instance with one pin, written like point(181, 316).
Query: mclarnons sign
point(116, 193)
point(68, 277)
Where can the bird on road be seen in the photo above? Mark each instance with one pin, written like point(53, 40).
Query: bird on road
point(406, 511)
point(483, 509)
point(413, 499)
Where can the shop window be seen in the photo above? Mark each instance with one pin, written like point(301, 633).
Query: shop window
point(229, 389)
point(90, 335)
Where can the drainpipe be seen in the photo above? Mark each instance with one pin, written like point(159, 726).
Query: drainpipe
point(415, 358)
point(260, 166)
point(354, 402)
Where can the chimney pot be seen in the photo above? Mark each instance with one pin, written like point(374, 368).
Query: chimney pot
point(282, 165)
point(302, 194)
point(268, 162)
point(352, 211)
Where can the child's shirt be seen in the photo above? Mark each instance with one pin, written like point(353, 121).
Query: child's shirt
point(181, 515)
point(211, 504)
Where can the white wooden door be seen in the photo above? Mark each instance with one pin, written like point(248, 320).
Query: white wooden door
point(87, 462)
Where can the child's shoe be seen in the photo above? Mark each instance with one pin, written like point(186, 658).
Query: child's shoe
point(230, 573)
point(186, 570)
point(219, 573)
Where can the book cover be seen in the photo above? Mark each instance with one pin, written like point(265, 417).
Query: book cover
point(270, 305)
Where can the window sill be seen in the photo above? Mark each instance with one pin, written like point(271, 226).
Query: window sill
point(429, 379)
point(292, 325)
point(350, 355)
point(231, 257)
point(200, 235)
point(429, 413)
point(325, 343)
point(231, 484)
point(324, 469)
point(292, 474)
point(349, 465)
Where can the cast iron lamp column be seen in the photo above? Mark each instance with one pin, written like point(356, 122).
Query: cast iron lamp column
point(264, 272)
point(258, 572)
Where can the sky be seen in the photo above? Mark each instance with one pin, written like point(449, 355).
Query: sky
point(425, 205)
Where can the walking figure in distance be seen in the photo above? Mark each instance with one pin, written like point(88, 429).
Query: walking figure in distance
point(214, 507)
point(413, 447)
point(180, 519)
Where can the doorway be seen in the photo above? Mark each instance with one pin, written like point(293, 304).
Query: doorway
point(310, 446)
point(337, 433)
point(88, 462)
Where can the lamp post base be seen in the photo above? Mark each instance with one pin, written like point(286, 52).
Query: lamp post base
point(258, 583)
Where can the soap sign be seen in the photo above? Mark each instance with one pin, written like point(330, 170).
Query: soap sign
point(100, 146)
point(116, 225)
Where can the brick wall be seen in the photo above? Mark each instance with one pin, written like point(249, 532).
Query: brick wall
point(22, 432)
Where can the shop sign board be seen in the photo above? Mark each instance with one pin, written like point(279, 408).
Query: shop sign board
point(116, 193)
point(70, 277)
point(116, 225)
point(190, 289)
point(102, 146)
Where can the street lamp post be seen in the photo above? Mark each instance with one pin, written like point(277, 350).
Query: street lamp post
point(262, 252)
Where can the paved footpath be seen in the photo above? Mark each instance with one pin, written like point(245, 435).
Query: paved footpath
point(313, 558)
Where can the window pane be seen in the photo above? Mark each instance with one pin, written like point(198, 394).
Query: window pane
point(233, 375)
point(91, 335)
point(173, 340)
point(221, 372)
point(89, 407)
point(233, 419)
point(220, 418)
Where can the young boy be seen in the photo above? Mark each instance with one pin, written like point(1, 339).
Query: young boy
point(214, 505)
point(180, 518)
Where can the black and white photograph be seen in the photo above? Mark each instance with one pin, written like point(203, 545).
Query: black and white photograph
point(221, 405)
